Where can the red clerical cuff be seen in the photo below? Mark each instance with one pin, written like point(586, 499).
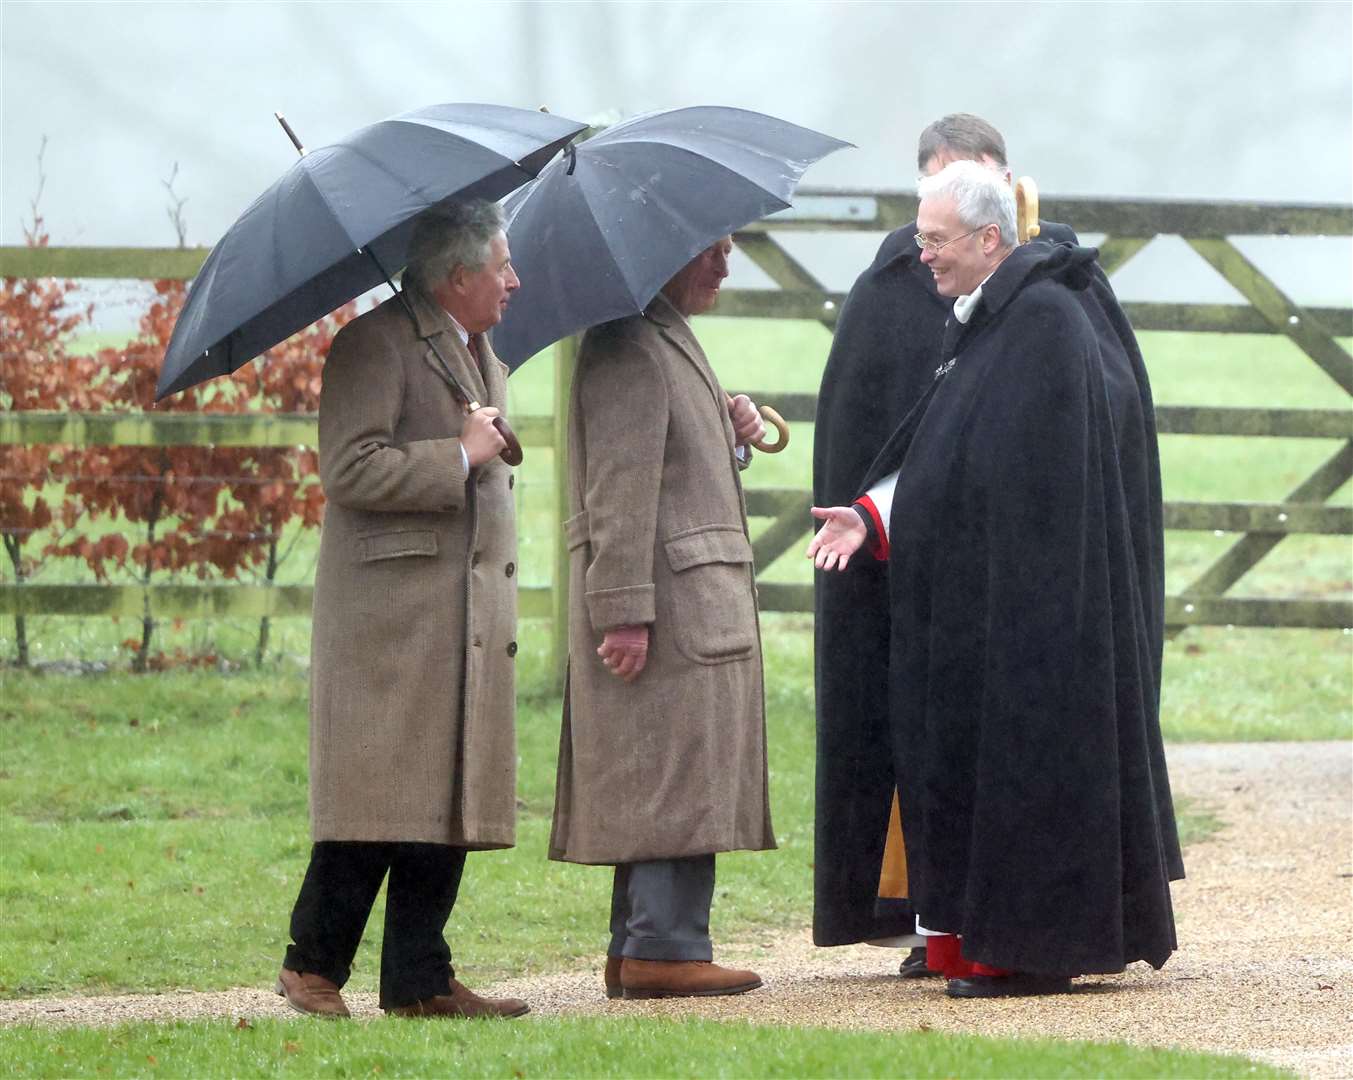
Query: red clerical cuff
point(878, 536)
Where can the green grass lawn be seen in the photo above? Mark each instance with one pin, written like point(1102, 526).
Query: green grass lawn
point(153, 833)
point(593, 1047)
point(154, 828)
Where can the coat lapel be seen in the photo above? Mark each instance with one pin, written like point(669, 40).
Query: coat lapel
point(493, 371)
point(675, 329)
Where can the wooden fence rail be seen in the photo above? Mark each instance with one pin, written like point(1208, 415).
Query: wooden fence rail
point(1127, 227)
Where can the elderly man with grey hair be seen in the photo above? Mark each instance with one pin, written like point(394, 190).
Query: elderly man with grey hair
point(883, 355)
point(412, 747)
point(1017, 507)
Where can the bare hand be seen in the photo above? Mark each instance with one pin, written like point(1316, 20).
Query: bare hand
point(480, 438)
point(840, 537)
point(748, 427)
point(624, 650)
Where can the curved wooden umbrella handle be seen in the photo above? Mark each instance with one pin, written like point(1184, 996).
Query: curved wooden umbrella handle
point(775, 420)
point(511, 453)
point(1026, 209)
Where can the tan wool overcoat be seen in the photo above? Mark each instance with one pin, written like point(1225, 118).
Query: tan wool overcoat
point(674, 763)
point(412, 680)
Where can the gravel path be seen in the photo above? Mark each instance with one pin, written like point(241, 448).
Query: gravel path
point(1265, 966)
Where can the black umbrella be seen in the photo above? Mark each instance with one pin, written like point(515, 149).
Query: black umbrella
point(340, 218)
point(605, 227)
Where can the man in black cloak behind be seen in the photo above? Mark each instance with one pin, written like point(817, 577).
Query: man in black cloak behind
point(1018, 508)
point(884, 353)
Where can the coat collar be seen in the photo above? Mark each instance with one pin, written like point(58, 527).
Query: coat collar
point(673, 325)
point(676, 328)
point(663, 312)
point(434, 326)
point(1025, 265)
point(1068, 264)
point(1008, 278)
point(428, 315)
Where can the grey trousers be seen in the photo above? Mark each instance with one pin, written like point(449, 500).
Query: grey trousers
point(660, 909)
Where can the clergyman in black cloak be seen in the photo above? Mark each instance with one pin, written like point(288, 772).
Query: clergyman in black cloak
point(1021, 497)
point(883, 356)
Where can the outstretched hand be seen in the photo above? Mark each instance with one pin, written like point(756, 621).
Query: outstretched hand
point(842, 534)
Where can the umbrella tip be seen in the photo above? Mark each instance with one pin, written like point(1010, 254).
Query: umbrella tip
point(295, 140)
point(544, 108)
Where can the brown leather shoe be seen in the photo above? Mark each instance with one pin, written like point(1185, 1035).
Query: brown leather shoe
point(682, 978)
point(309, 993)
point(463, 1003)
point(611, 976)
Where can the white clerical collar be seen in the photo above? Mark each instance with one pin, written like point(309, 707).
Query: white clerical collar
point(964, 306)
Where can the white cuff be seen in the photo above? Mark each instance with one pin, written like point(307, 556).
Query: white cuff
point(881, 494)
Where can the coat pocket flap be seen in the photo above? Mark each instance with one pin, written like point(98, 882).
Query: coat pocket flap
point(577, 531)
point(717, 544)
point(397, 544)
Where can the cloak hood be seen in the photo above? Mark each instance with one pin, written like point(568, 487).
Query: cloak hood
point(1067, 264)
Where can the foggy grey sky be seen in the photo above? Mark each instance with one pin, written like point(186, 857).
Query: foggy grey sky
point(1232, 100)
point(1209, 100)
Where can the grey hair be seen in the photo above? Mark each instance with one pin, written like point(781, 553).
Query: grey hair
point(981, 194)
point(452, 234)
point(964, 136)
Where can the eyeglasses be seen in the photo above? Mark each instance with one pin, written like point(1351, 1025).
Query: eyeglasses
point(926, 244)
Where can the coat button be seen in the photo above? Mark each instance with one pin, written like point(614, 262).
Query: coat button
point(511, 481)
point(511, 648)
point(478, 643)
point(510, 569)
point(474, 559)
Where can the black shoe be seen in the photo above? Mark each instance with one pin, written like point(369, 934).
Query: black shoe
point(1019, 984)
point(914, 965)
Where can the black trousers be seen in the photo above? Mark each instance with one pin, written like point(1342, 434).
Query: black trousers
point(335, 901)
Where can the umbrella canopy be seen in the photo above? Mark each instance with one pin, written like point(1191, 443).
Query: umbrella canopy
point(303, 247)
point(606, 226)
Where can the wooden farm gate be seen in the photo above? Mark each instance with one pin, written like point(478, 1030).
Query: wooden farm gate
point(1127, 225)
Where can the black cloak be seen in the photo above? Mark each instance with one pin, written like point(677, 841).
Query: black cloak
point(1025, 585)
point(883, 356)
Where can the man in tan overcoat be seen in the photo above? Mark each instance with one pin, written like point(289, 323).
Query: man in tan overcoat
point(662, 759)
point(412, 746)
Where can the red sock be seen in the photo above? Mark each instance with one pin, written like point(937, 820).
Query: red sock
point(942, 955)
point(987, 969)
